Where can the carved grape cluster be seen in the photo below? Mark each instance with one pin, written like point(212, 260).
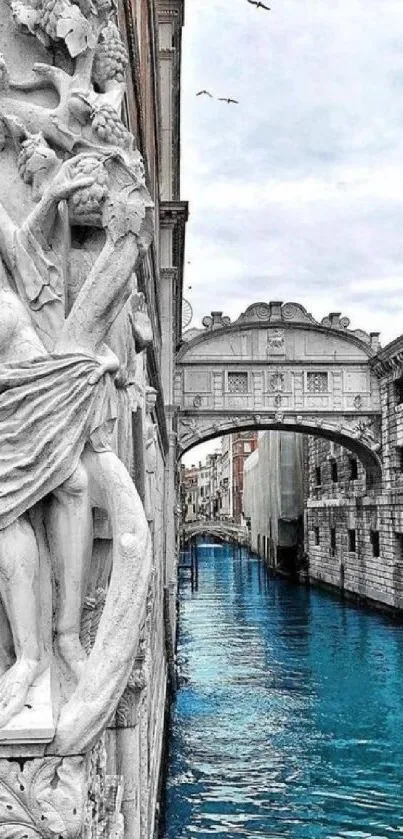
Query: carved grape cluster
point(108, 127)
point(110, 57)
point(85, 206)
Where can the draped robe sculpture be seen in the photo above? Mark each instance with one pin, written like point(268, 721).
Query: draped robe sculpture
point(57, 372)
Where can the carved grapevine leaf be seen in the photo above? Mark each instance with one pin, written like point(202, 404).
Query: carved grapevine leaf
point(17, 831)
point(76, 31)
point(15, 818)
point(58, 791)
point(43, 801)
point(124, 215)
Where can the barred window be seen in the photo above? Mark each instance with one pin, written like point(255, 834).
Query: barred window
point(332, 541)
point(398, 386)
point(375, 542)
point(399, 546)
point(317, 382)
point(353, 469)
point(351, 541)
point(237, 382)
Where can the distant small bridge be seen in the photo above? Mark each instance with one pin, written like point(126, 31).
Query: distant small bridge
point(226, 531)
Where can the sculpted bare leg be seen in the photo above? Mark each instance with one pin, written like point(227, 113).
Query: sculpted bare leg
point(19, 584)
point(70, 537)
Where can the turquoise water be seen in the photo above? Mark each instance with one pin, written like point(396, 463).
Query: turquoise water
point(289, 717)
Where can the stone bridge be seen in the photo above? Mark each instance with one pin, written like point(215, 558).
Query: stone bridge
point(226, 531)
point(278, 368)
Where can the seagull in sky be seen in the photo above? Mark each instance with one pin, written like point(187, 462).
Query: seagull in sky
point(204, 93)
point(259, 5)
point(224, 99)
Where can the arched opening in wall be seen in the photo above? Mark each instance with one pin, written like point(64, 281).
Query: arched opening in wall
point(283, 485)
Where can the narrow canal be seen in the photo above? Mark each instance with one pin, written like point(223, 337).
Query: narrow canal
point(289, 717)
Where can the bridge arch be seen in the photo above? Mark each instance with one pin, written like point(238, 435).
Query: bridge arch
point(277, 368)
point(225, 531)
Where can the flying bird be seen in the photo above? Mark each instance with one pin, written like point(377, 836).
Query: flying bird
point(259, 5)
point(204, 93)
point(224, 99)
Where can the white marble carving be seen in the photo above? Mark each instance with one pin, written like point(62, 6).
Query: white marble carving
point(68, 269)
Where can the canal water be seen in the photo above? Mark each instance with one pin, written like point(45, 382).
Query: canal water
point(288, 721)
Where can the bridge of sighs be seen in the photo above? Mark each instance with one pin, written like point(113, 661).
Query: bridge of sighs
point(276, 367)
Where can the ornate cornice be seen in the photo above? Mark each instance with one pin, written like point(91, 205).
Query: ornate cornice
point(389, 360)
point(173, 213)
point(172, 9)
point(283, 314)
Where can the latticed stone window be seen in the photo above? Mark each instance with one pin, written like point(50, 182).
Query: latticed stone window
point(237, 382)
point(317, 382)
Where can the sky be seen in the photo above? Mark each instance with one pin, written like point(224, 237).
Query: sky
point(296, 193)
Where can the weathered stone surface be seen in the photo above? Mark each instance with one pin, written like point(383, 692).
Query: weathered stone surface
point(368, 563)
point(76, 325)
point(277, 368)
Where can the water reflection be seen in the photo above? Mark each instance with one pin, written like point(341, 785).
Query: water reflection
point(289, 718)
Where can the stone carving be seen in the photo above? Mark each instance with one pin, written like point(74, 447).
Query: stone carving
point(275, 342)
point(296, 312)
point(129, 707)
point(216, 321)
point(150, 456)
point(290, 313)
point(43, 798)
point(366, 432)
point(277, 381)
point(188, 427)
point(58, 301)
point(358, 401)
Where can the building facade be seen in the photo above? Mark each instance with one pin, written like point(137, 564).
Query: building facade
point(242, 443)
point(273, 498)
point(354, 533)
point(190, 493)
point(220, 481)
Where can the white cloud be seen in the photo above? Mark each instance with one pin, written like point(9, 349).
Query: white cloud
point(297, 192)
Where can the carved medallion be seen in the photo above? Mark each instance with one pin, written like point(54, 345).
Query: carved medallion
point(275, 342)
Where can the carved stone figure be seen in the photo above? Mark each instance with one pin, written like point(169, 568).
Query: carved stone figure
point(67, 272)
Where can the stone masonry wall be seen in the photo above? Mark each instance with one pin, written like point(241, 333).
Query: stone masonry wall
point(354, 540)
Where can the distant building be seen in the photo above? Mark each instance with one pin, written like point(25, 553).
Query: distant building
point(243, 444)
point(226, 477)
point(273, 497)
point(203, 487)
point(189, 493)
point(214, 489)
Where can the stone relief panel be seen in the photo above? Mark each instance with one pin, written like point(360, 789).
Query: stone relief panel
point(276, 342)
point(197, 381)
point(301, 384)
point(70, 244)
